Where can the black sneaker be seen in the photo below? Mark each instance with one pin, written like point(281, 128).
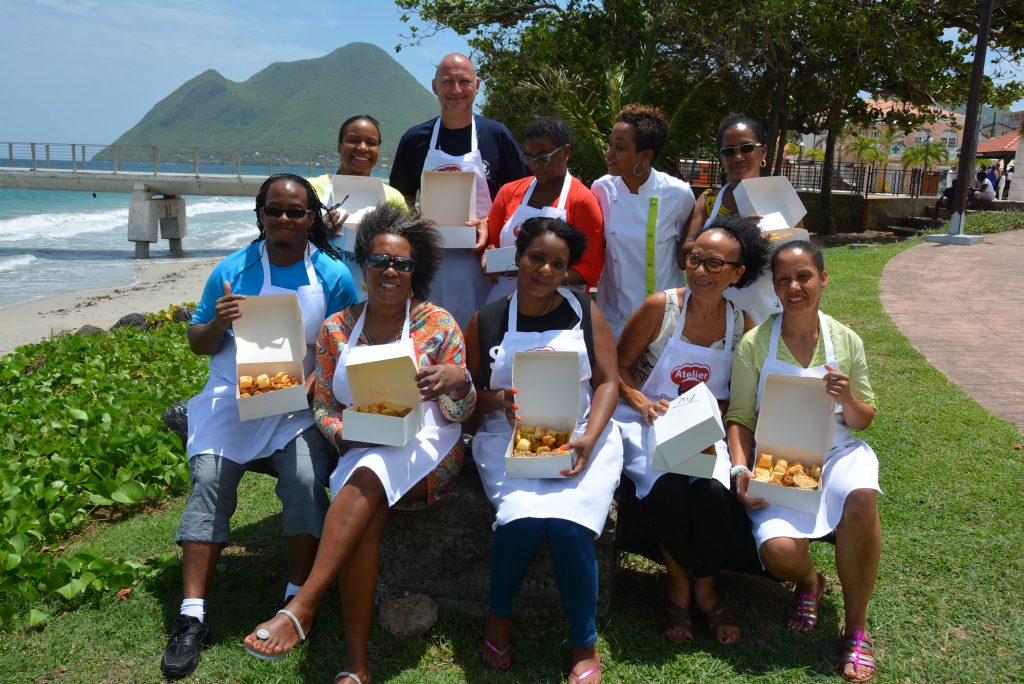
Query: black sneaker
point(182, 653)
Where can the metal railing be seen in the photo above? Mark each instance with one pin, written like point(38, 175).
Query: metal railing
point(848, 177)
point(198, 161)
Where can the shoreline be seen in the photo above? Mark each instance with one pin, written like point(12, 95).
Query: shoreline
point(158, 287)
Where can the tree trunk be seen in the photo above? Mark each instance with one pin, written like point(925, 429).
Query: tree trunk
point(780, 153)
point(828, 224)
point(777, 121)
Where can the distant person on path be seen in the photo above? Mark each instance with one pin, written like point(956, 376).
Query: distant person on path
point(290, 256)
point(1006, 184)
point(645, 216)
point(803, 341)
point(358, 146)
point(550, 191)
point(459, 140)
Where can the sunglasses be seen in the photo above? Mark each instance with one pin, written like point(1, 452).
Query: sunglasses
point(745, 148)
point(540, 159)
point(382, 262)
point(711, 264)
point(292, 213)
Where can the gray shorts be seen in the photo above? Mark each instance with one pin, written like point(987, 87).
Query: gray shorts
point(302, 468)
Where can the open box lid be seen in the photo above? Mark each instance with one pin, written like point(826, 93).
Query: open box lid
point(548, 387)
point(382, 372)
point(448, 198)
point(768, 195)
point(363, 193)
point(797, 414)
point(270, 329)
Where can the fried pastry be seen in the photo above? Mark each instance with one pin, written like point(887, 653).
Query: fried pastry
point(249, 386)
point(781, 472)
point(533, 441)
point(385, 408)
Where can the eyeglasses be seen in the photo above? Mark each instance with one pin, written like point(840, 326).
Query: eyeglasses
point(745, 148)
point(711, 264)
point(541, 159)
point(382, 262)
point(292, 213)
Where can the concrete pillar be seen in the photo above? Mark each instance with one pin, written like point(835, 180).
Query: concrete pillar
point(173, 221)
point(142, 220)
point(1017, 186)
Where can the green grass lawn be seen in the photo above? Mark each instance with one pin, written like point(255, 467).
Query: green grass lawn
point(948, 607)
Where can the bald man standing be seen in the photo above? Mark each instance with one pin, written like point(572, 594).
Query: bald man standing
point(458, 140)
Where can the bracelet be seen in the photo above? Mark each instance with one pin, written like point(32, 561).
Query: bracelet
point(736, 470)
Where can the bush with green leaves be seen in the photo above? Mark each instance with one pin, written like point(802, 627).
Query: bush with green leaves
point(985, 222)
point(81, 439)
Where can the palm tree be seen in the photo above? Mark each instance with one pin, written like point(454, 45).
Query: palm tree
point(815, 154)
point(864, 150)
point(924, 154)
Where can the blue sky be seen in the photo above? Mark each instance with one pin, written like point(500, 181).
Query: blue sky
point(85, 71)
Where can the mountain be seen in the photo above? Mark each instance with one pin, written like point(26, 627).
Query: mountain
point(288, 105)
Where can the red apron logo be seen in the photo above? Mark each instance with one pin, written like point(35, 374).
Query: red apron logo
point(689, 375)
point(449, 167)
point(538, 349)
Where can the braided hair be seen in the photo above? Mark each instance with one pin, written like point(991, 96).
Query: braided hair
point(318, 233)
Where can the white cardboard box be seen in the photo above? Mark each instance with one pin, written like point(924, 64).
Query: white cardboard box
point(548, 385)
point(360, 195)
point(501, 260)
point(448, 198)
point(692, 423)
point(268, 339)
point(768, 195)
point(381, 373)
point(795, 423)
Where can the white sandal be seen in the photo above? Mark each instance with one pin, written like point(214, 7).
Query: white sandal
point(263, 634)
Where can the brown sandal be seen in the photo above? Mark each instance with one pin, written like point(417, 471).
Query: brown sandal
point(677, 616)
point(717, 618)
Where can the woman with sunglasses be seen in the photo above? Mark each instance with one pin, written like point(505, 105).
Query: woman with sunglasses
point(742, 154)
point(803, 341)
point(359, 142)
point(645, 213)
point(551, 191)
point(400, 255)
point(566, 513)
point(675, 340)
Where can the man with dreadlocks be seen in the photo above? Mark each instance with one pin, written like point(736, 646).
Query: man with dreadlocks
point(290, 256)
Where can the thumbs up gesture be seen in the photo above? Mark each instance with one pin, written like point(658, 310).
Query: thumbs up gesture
point(226, 309)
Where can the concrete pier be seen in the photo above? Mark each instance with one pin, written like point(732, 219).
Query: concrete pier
point(146, 214)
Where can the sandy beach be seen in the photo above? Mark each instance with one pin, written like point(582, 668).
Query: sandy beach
point(159, 286)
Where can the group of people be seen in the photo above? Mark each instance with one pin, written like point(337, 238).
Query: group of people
point(681, 282)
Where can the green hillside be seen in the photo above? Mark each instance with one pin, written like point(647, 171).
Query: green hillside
point(288, 105)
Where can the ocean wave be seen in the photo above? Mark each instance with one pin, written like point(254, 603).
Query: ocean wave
point(11, 263)
point(219, 205)
point(62, 224)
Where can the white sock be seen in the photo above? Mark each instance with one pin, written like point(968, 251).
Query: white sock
point(195, 608)
point(291, 590)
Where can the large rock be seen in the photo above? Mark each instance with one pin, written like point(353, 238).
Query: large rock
point(132, 320)
point(444, 552)
point(183, 314)
point(407, 616)
point(88, 330)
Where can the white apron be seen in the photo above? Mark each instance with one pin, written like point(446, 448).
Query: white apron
point(583, 499)
point(399, 469)
point(213, 423)
point(506, 285)
point(758, 298)
point(679, 359)
point(460, 285)
point(850, 465)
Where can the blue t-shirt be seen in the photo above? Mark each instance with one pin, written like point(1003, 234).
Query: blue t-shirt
point(243, 270)
point(497, 146)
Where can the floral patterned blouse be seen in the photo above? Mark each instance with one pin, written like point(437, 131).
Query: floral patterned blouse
point(437, 340)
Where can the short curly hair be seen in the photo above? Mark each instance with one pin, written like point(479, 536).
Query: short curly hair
point(548, 128)
point(650, 128)
point(754, 248)
point(424, 241)
point(538, 225)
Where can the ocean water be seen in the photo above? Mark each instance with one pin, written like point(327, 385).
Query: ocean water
point(55, 242)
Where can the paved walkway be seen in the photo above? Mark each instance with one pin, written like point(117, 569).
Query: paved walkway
point(963, 308)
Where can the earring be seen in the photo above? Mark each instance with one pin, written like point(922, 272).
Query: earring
point(410, 293)
point(764, 162)
point(643, 168)
point(364, 287)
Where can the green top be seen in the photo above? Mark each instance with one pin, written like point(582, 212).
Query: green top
point(752, 351)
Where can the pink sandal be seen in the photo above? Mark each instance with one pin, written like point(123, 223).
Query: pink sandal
point(503, 654)
point(859, 651)
point(803, 608)
point(577, 678)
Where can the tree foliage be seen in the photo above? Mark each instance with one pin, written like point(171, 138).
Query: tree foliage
point(793, 64)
